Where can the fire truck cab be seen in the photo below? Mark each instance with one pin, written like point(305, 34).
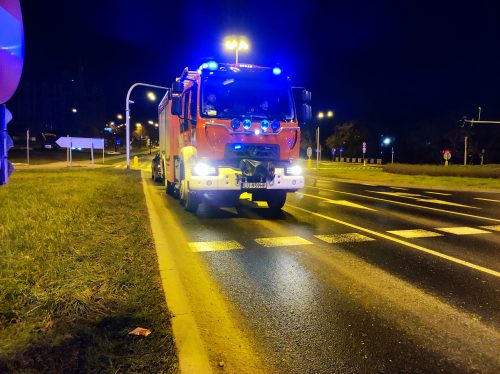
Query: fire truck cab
point(226, 129)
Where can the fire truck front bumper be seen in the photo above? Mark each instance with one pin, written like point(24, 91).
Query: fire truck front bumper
point(229, 179)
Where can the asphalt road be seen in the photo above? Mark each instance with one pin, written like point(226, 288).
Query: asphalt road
point(348, 278)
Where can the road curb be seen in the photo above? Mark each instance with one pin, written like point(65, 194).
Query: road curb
point(191, 352)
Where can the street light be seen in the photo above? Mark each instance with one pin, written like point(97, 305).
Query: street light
point(151, 96)
point(119, 116)
point(74, 110)
point(236, 44)
point(321, 115)
point(151, 122)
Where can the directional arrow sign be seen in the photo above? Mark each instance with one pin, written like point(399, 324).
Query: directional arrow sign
point(66, 142)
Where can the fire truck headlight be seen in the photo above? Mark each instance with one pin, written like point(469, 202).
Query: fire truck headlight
point(201, 169)
point(264, 124)
point(275, 125)
point(294, 170)
point(247, 124)
point(235, 123)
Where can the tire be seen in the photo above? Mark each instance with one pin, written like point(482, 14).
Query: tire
point(188, 199)
point(170, 190)
point(276, 200)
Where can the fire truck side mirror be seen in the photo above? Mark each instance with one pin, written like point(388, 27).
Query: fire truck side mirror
point(177, 87)
point(177, 105)
point(306, 114)
point(306, 96)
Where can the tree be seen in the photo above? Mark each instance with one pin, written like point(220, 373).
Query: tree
point(347, 137)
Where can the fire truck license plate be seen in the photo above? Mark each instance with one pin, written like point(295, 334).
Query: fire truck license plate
point(253, 185)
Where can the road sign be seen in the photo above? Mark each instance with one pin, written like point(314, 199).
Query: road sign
point(309, 151)
point(364, 147)
point(11, 48)
point(67, 142)
point(447, 155)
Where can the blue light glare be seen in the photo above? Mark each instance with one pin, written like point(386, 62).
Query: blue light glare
point(247, 124)
point(257, 132)
point(237, 146)
point(264, 124)
point(276, 70)
point(212, 65)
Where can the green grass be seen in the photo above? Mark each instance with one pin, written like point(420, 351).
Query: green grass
point(473, 171)
point(78, 271)
point(379, 176)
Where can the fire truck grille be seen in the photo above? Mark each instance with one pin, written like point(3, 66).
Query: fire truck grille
point(253, 151)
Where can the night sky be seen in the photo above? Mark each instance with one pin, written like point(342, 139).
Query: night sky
point(390, 66)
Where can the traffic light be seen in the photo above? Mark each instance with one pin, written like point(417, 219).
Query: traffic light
point(6, 143)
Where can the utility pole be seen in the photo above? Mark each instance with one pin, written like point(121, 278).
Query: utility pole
point(465, 151)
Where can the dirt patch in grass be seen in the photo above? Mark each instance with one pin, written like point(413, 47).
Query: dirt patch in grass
point(78, 272)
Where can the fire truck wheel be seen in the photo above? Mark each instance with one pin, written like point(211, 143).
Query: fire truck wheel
point(275, 200)
point(170, 189)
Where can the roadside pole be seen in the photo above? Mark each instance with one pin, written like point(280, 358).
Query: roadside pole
point(92, 154)
point(317, 147)
point(28, 147)
point(465, 151)
point(67, 153)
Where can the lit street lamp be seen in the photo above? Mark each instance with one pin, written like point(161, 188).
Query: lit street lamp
point(151, 96)
point(321, 115)
point(74, 110)
point(119, 116)
point(236, 45)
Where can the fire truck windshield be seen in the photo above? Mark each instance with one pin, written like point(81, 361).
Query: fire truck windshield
point(254, 96)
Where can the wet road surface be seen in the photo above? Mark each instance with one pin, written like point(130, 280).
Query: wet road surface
point(347, 278)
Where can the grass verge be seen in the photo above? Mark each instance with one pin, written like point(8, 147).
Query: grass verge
point(379, 176)
point(78, 272)
point(473, 171)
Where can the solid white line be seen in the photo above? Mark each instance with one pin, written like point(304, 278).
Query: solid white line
point(399, 241)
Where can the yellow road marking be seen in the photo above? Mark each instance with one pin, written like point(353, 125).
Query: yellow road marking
point(399, 241)
point(406, 204)
point(463, 230)
point(398, 194)
point(492, 228)
point(282, 241)
point(421, 198)
point(443, 202)
point(438, 193)
point(493, 200)
point(339, 202)
point(418, 233)
point(344, 238)
point(215, 246)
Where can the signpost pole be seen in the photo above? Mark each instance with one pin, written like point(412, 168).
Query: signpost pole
point(70, 154)
point(67, 153)
point(465, 151)
point(92, 153)
point(28, 147)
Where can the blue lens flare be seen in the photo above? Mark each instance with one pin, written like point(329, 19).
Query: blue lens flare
point(237, 146)
point(276, 70)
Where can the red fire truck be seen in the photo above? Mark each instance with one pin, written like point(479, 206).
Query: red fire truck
point(226, 129)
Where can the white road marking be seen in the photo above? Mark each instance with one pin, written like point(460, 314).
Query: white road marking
point(464, 230)
point(398, 188)
point(418, 233)
point(344, 238)
point(282, 241)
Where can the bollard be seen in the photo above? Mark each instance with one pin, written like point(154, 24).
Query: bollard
point(136, 162)
point(364, 162)
point(309, 163)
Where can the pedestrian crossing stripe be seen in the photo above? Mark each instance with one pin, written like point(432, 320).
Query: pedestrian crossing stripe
point(492, 228)
point(344, 238)
point(215, 246)
point(418, 233)
point(463, 230)
point(282, 241)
